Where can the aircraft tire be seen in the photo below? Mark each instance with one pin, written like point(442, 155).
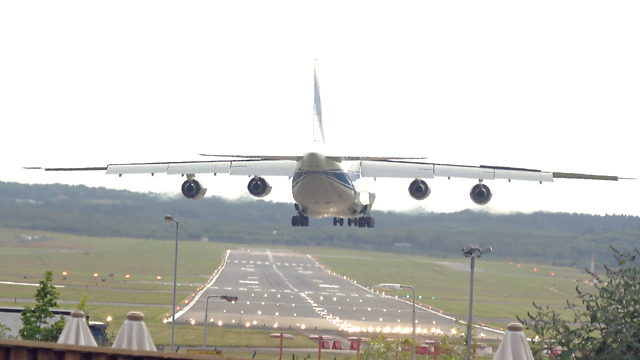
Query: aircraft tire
point(295, 221)
point(371, 222)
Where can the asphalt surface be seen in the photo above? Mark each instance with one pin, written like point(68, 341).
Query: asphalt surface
point(280, 290)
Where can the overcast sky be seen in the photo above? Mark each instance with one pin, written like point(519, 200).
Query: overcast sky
point(550, 85)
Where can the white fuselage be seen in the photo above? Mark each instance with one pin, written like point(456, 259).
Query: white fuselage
point(321, 188)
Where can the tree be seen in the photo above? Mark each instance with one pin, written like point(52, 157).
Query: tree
point(4, 331)
point(82, 305)
point(35, 320)
point(601, 324)
point(381, 349)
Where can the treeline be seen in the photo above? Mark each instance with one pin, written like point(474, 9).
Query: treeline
point(555, 238)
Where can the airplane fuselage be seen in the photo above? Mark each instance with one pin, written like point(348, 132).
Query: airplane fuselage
point(321, 188)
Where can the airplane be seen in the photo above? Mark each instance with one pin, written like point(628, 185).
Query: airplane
point(326, 185)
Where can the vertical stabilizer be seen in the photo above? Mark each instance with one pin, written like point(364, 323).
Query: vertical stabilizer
point(318, 130)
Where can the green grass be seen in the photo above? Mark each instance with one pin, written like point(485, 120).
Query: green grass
point(502, 290)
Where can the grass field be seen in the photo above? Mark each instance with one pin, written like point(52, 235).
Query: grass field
point(502, 288)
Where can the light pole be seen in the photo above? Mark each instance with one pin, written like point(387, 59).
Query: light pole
point(473, 251)
point(413, 322)
point(169, 218)
point(206, 310)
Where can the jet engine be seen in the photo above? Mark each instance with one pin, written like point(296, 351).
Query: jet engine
point(480, 194)
point(259, 187)
point(419, 190)
point(192, 189)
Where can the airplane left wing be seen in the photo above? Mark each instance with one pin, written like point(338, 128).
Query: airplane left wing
point(408, 169)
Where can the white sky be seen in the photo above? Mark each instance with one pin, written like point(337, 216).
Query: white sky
point(550, 85)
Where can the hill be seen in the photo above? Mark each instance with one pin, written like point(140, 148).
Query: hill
point(554, 238)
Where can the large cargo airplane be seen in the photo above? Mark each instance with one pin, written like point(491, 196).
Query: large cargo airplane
point(333, 186)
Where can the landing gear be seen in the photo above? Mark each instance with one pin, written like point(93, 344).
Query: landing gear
point(363, 221)
point(367, 221)
point(301, 219)
point(338, 221)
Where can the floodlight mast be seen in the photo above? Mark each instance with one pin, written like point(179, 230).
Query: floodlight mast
point(413, 318)
point(169, 218)
point(473, 251)
point(391, 286)
point(231, 299)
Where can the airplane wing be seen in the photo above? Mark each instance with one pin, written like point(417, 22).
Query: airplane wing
point(375, 167)
point(409, 169)
point(285, 166)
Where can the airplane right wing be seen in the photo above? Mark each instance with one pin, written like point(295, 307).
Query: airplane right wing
point(251, 167)
point(192, 188)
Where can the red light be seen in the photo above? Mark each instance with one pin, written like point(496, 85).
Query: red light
point(159, 277)
point(96, 274)
point(64, 273)
point(127, 276)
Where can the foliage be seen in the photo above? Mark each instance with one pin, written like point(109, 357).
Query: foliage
point(451, 346)
point(454, 346)
point(603, 324)
point(382, 349)
point(82, 305)
point(560, 239)
point(35, 320)
point(4, 331)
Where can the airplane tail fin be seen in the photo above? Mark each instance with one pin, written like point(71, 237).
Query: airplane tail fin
point(318, 130)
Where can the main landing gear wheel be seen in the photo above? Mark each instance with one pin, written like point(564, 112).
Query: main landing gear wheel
point(338, 221)
point(300, 220)
point(364, 221)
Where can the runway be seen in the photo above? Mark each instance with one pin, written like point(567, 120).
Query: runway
point(281, 289)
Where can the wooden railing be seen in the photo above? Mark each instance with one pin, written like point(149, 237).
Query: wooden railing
point(37, 350)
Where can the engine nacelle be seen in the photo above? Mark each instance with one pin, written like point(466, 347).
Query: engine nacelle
point(192, 189)
point(419, 190)
point(259, 187)
point(480, 194)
